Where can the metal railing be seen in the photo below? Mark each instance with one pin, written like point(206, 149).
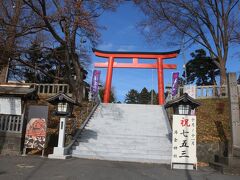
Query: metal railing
point(11, 123)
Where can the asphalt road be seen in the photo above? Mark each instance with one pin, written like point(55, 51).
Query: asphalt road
point(37, 168)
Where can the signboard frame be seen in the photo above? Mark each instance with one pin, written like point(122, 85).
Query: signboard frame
point(36, 133)
point(184, 142)
point(37, 112)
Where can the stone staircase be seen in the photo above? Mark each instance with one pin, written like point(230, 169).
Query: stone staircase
point(126, 132)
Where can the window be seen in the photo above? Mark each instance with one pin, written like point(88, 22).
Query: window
point(184, 109)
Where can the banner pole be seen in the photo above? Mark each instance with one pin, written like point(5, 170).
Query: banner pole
point(43, 153)
point(24, 151)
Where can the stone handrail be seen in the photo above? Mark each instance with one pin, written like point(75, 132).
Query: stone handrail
point(51, 89)
point(205, 92)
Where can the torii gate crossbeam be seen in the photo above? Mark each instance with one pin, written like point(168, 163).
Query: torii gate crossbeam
point(160, 66)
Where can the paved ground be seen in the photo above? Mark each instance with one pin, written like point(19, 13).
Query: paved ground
point(32, 167)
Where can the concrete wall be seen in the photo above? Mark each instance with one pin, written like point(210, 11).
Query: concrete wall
point(10, 143)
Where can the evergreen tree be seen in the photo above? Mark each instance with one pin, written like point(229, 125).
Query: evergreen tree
point(132, 97)
point(144, 96)
point(112, 95)
point(37, 62)
point(201, 69)
point(35, 65)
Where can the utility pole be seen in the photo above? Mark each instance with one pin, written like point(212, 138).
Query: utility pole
point(152, 89)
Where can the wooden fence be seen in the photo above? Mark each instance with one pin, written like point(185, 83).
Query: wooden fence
point(11, 123)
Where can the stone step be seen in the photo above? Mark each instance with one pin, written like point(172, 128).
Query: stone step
point(125, 144)
point(107, 145)
point(120, 155)
point(127, 159)
point(126, 133)
point(125, 127)
point(122, 149)
point(104, 135)
point(127, 141)
point(120, 128)
point(130, 144)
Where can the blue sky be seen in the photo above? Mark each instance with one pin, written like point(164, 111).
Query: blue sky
point(121, 34)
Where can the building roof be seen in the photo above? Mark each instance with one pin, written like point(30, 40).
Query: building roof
point(60, 97)
point(184, 99)
point(16, 89)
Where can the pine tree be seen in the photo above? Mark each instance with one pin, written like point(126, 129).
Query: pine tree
point(34, 66)
point(112, 95)
point(132, 97)
point(201, 69)
point(144, 96)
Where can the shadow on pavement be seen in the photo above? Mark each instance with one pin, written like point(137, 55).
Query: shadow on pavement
point(36, 169)
point(188, 175)
point(2, 172)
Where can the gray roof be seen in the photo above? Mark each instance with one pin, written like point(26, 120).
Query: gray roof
point(14, 89)
point(185, 98)
point(62, 97)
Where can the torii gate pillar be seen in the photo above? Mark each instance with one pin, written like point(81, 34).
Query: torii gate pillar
point(160, 81)
point(160, 66)
point(108, 85)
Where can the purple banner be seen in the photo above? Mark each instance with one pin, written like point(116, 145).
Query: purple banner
point(175, 76)
point(95, 82)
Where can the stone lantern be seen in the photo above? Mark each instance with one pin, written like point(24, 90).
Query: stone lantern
point(64, 106)
point(183, 105)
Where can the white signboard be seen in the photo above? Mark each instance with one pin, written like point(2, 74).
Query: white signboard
point(184, 140)
point(191, 90)
point(10, 105)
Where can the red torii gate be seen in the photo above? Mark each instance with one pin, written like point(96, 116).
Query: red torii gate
point(159, 56)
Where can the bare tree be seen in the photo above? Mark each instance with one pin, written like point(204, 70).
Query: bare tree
point(68, 22)
point(16, 22)
point(10, 14)
point(213, 24)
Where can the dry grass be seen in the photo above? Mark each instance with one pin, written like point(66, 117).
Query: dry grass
point(213, 120)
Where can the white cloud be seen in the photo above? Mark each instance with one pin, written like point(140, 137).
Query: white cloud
point(115, 47)
point(105, 46)
point(126, 48)
point(126, 30)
